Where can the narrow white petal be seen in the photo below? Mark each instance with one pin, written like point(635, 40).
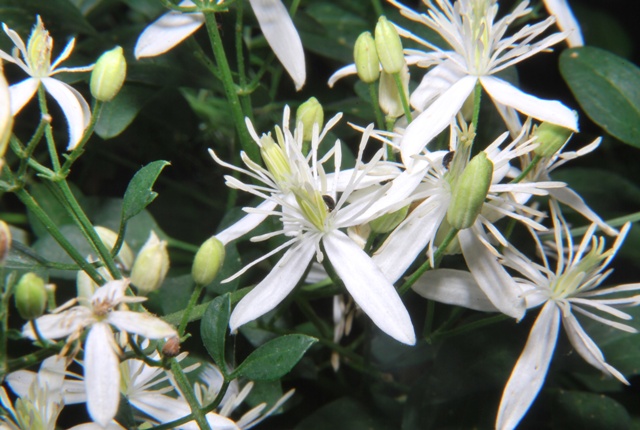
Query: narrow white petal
point(565, 20)
point(275, 287)
point(20, 381)
point(530, 369)
point(341, 73)
point(453, 287)
point(141, 323)
point(246, 223)
point(436, 82)
point(278, 29)
point(435, 119)
point(72, 106)
point(369, 287)
point(494, 280)
point(56, 326)
point(21, 93)
point(572, 199)
point(101, 374)
point(168, 31)
point(544, 110)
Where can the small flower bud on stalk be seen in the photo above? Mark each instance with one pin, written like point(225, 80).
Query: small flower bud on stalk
point(30, 296)
point(389, 46)
point(208, 261)
point(469, 192)
point(551, 138)
point(366, 58)
point(388, 222)
point(309, 113)
point(172, 347)
point(5, 239)
point(151, 265)
point(108, 75)
point(109, 238)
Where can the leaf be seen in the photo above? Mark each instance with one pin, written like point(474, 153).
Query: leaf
point(122, 110)
point(588, 411)
point(275, 358)
point(343, 414)
point(607, 88)
point(139, 194)
point(213, 328)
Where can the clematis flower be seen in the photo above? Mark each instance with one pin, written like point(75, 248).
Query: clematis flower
point(101, 367)
point(35, 60)
point(566, 21)
point(480, 50)
point(274, 20)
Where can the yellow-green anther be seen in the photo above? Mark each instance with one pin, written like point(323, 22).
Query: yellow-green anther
point(389, 46)
point(39, 49)
point(5, 240)
point(388, 222)
point(208, 261)
point(275, 158)
point(469, 192)
point(310, 113)
point(108, 75)
point(366, 58)
point(28, 413)
point(151, 265)
point(30, 296)
point(312, 205)
point(551, 138)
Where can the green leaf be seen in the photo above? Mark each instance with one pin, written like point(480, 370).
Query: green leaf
point(275, 358)
point(343, 414)
point(588, 411)
point(607, 88)
point(139, 194)
point(213, 328)
point(122, 110)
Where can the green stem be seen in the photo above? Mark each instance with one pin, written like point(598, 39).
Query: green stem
point(187, 311)
point(245, 100)
point(477, 96)
point(428, 322)
point(373, 93)
point(308, 312)
point(96, 110)
point(403, 97)
point(179, 244)
point(527, 169)
point(377, 7)
point(5, 295)
point(29, 360)
point(230, 88)
point(51, 144)
point(189, 396)
point(473, 326)
point(31, 146)
point(17, 148)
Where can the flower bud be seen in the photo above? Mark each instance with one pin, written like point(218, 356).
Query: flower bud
point(5, 240)
point(30, 296)
point(551, 138)
point(389, 46)
point(108, 75)
point(151, 265)
point(171, 348)
point(366, 58)
point(309, 113)
point(6, 119)
point(388, 222)
point(208, 261)
point(109, 238)
point(470, 191)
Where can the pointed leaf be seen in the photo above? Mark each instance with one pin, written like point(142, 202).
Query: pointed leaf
point(213, 328)
point(139, 193)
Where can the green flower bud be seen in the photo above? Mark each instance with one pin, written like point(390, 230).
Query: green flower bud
point(151, 265)
point(469, 192)
point(388, 222)
point(6, 119)
point(366, 58)
point(551, 138)
point(389, 46)
point(30, 296)
point(309, 113)
point(108, 75)
point(109, 237)
point(5, 240)
point(208, 261)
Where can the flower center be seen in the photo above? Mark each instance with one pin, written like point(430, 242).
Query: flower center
point(312, 204)
point(39, 51)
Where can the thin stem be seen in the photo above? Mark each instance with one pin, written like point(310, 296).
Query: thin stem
point(527, 169)
point(187, 311)
point(472, 326)
point(31, 146)
point(96, 110)
point(245, 100)
point(377, 7)
point(189, 396)
point(51, 143)
point(373, 93)
point(477, 96)
point(403, 97)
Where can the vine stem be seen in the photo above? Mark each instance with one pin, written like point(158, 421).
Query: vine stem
point(189, 396)
point(403, 97)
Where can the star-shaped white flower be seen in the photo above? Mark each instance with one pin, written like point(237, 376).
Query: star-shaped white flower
point(274, 20)
point(35, 60)
point(101, 363)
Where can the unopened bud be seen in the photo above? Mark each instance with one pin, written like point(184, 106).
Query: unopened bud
point(470, 191)
point(109, 238)
point(388, 222)
point(171, 348)
point(389, 46)
point(366, 58)
point(30, 296)
point(108, 75)
point(151, 265)
point(208, 261)
point(5, 240)
point(551, 138)
point(310, 113)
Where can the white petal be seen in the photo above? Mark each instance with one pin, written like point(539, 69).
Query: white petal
point(278, 29)
point(246, 224)
point(530, 369)
point(21, 93)
point(572, 199)
point(436, 82)
point(141, 323)
point(544, 110)
point(275, 287)
point(369, 287)
point(75, 108)
point(494, 280)
point(101, 374)
point(565, 20)
point(453, 287)
point(168, 31)
point(341, 73)
point(56, 326)
point(435, 119)
point(20, 381)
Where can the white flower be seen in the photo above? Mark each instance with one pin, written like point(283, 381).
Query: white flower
point(101, 364)
point(480, 49)
point(35, 60)
point(274, 20)
point(565, 21)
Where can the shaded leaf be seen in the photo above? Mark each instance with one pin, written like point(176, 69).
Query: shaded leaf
point(139, 193)
point(213, 328)
point(122, 110)
point(343, 414)
point(588, 411)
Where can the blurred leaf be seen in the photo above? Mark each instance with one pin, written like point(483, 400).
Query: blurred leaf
point(343, 414)
point(603, 30)
point(275, 358)
point(57, 15)
point(21, 257)
point(122, 110)
point(607, 88)
point(139, 193)
point(588, 411)
point(50, 205)
point(48, 248)
point(213, 328)
point(172, 296)
point(268, 392)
